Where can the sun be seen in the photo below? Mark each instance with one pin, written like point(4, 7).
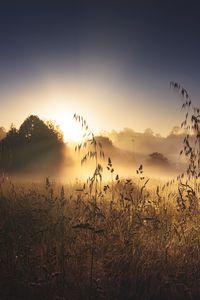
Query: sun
point(64, 118)
point(71, 130)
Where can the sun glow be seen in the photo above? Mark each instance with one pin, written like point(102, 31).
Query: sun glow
point(71, 130)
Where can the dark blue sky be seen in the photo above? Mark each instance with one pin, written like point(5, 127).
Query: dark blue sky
point(164, 35)
point(146, 43)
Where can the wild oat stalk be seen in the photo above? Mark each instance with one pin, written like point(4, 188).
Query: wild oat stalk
point(187, 195)
point(94, 151)
point(191, 126)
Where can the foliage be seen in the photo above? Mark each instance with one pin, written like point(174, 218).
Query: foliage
point(158, 159)
point(34, 145)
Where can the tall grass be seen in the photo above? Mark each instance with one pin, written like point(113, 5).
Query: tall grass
point(145, 245)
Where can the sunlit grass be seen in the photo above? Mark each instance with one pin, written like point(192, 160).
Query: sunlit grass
point(143, 238)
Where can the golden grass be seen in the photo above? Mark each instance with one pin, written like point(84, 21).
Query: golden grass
point(145, 241)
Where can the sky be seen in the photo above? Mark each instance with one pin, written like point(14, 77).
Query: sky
point(110, 61)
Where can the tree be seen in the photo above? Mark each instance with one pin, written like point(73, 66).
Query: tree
point(158, 159)
point(37, 146)
point(34, 129)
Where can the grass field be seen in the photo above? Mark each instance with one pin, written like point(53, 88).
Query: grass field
point(137, 240)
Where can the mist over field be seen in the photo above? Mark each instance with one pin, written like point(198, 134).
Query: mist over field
point(127, 148)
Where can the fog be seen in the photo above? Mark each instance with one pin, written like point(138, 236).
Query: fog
point(160, 156)
point(128, 149)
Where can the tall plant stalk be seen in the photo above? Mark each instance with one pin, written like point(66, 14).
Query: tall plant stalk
point(94, 150)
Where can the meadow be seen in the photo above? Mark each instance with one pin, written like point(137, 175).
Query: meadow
point(123, 238)
point(133, 243)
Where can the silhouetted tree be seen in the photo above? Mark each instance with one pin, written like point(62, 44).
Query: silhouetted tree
point(37, 146)
point(158, 159)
